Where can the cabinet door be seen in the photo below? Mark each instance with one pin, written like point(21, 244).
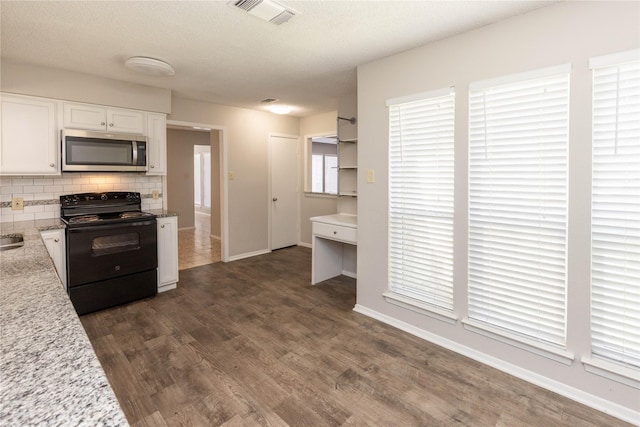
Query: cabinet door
point(157, 144)
point(54, 241)
point(125, 121)
point(83, 116)
point(29, 143)
point(167, 253)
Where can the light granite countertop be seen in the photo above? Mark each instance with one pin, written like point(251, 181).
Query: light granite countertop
point(49, 373)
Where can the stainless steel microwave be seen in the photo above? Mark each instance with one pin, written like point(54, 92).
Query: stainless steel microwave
point(103, 152)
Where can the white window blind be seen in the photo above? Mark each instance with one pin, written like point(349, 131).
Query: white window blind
point(421, 136)
point(615, 214)
point(518, 135)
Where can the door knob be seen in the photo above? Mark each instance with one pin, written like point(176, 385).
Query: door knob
point(275, 199)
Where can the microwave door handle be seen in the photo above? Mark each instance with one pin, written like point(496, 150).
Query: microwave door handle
point(135, 152)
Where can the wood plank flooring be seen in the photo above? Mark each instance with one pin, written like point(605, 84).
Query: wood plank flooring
point(252, 343)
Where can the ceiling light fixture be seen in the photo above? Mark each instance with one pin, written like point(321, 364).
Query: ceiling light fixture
point(280, 109)
point(150, 66)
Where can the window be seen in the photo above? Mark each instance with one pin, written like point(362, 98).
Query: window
point(324, 165)
point(421, 142)
point(615, 213)
point(518, 136)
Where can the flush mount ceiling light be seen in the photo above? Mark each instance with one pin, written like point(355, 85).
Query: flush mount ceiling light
point(150, 66)
point(280, 109)
point(267, 10)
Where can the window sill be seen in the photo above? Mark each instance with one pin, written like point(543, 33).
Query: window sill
point(612, 371)
point(320, 195)
point(419, 307)
point(546, 350)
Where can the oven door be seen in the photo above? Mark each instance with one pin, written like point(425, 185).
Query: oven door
point(101, 252)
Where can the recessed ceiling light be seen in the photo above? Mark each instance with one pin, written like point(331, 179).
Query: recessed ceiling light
point(150, 66)
point(280, 109)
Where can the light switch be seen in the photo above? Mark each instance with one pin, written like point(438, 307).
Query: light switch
point(232, 175)
point(370, 176)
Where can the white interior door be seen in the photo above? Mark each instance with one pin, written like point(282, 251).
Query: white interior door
point(284, 191)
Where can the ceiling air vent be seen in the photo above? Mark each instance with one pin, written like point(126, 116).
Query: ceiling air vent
point(267, 10)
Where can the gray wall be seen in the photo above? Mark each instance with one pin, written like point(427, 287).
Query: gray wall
point(70, 86)
point(246, 135)
point(313, 205)
point(569, 32)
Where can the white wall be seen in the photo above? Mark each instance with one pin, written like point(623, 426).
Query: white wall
point(569, 32)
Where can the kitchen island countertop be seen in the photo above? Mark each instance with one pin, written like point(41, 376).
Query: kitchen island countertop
point(49, 373)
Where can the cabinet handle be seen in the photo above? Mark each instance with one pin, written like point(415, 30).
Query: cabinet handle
point(152, 166)
point(275, 199)
point(102, 123)
point(52, 165)
point(110, 124)
point(56, 240)
point(162, 226)
point(335, 232)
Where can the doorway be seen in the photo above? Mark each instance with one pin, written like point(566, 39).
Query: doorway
point(195, 189)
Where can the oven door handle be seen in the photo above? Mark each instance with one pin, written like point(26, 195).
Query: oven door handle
point(111, 226)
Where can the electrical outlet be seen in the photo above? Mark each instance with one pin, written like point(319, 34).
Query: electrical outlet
point(155, 194)
point(17, 204)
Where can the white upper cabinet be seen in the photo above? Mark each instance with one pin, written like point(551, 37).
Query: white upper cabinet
point(156, 144)
point(93, 117)
point(29, 143)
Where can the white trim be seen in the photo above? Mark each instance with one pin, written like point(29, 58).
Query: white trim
point(614, 58)
point(349, 274)
point(612, 371)
point(536, 347)
point(518, 77)
point(420, 307)
point(167, 287)
point(420, 96)
point(320, 195)
point(305, 245)
point(248, 255)
point(187, 228)
point(214, 237)
point(595, 402)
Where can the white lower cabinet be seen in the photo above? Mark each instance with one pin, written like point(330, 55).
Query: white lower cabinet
point(54, 241)
point(167, 253)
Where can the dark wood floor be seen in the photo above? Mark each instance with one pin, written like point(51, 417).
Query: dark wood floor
point(252, 343)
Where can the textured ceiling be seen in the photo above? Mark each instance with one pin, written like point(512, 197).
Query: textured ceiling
point(223, 55)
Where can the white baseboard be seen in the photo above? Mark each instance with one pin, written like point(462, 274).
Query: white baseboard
point(167, 287)
point(603, 405)
point(305, 245)
point(214, 237)
point(349, 274)
point(186, 228)
point(248, 255)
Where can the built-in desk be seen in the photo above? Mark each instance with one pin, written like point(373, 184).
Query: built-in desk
point(330, 257)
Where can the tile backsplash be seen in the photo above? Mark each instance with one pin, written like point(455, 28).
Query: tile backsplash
point(41, 194)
